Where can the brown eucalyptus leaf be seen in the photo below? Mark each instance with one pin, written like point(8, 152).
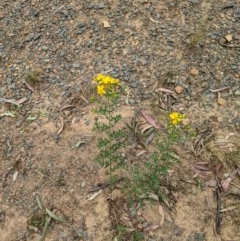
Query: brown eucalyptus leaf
point(150, 119)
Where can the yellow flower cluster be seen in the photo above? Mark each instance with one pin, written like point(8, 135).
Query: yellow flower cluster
point(176, 118)
point(106, 84)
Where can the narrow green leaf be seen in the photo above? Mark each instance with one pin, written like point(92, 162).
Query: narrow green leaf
point(31, 118)
point(39, 202)
point(54, 216)
point(8, 113)
point(80, 143)
point(45, 228)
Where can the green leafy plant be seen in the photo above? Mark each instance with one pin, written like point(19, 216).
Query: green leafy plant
point(147, 178)
point(113, 136)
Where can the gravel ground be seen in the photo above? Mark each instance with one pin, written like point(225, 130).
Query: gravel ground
point(49, 53)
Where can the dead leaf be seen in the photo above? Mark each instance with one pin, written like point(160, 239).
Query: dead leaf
point(228, 209)
point(94, 195)
point(179, 89)
point(150, 120)
point(211, 183)
point(194, 71)
point(106, 24)
point(153, 196)
point(225, 183)
point(220, 89)
point(62, 125)
point(15, 175)
point(80, 143)
point(145, 127)
point(150, 138)
point(29, 86)
point(151, 228)
point(165, 90)
point(140, 153)
point(201, 167)
point(20, 101)
point(201, 170)
point(13, 101)
point(160, 210)
point(228, 37)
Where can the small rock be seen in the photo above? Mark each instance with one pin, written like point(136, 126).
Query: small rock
point(76, 65)
point(228, 37)
point(179, 89)
point(45, 48)
point(194, 71)
point(221, 101)
point(133, 84)
point(237, 92)
point(132, 102)
point(106, 24)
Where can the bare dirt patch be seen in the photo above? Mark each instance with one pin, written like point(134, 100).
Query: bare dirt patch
point(46, 119)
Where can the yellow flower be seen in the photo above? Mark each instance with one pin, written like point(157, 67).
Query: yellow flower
point(176, 118)
point(106, 84)
point(106, 80)
point(101, 90)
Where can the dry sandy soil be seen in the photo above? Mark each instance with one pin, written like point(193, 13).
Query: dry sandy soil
point(49, 53)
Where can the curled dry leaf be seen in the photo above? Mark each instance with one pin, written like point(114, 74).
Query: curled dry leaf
point(29, 86)
point(151, 228)
point(13, 101)
point(80, 143)
point(225, 183)
point(150, 120)
point(150, 138)
point(94, 195)
point(220, 89)
point(62, 125)
point(145, 127)
point(22, 100)
point(201, 170)
point(153, 196)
